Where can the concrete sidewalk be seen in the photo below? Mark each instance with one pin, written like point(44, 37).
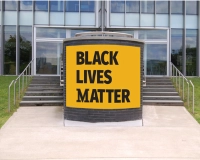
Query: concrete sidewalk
point(169, 133)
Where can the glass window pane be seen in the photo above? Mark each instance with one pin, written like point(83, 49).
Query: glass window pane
point(87, 6)
point(56, 6)
point(10, 5)
point(50, 33)
point(176, 7)
point(176, 21)
point(162, 20)
point(191, 7)
point(41, 5)
point(26, 5)
point(132, 6)
point(117, 6)
point(41, 17)
point(153, 34)
point(117, 19)
point(72, 6)
point(147, 20)
point(191, 51)
point(177, 47)
point(10, 50)
point(25, 46)
point(162, 7)
point(147, 6)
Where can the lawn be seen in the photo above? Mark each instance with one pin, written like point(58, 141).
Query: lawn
point(4, 114)
point(196, 82)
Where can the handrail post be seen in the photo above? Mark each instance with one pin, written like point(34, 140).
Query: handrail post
point(192, 96)
point(19, 87)
point(183, 89)
point(22, 82)
point(188, 94)
point(173, 74)
point(26, 76)
point(14, 92)
point(176, 78)
point(179, 82)
point(9, 95)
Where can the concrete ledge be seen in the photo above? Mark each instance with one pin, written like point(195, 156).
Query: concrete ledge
point(137, 123)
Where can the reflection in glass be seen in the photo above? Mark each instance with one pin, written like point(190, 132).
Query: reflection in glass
point(50, 33)
point(177, 7)
point(132, 6)
point(10, 50)
point(47, 57)
point(41, 5)
point(87, 6)
point(177, 47)
point(191, 7)
point(191, 50)
point(10, 5)
point(25, 46)
point(72, 6)
point(117, 6)
point(73, 32)
point(56, 6)
point(162, 7)
point(152, 34)
point(156, 59)
point(147, 6)
point(26, 5)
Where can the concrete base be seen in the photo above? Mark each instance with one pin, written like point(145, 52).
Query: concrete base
point(137, 123)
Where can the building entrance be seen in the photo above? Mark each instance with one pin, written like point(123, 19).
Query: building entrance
point(48, 47)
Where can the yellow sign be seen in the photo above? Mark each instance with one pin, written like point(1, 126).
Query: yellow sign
point(103, 76)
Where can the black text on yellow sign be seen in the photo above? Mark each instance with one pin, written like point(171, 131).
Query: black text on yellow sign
point(103, 76)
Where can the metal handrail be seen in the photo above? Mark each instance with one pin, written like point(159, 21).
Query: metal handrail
point(25, 73)
point(178, 75)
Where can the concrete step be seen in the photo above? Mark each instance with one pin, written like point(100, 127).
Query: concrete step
point(44, 86)
point(45, 77)
point(159, 83)
point(41, 98)
point(160, 94)
point(44, 89)
point(163, 102)
point(159, 90)
point(42, 103)
point(44, 93)
point(158, 86)
point(161, 98)
point(45, 82)
point(158, 80)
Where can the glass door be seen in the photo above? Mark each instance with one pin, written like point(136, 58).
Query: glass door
point(48, 57)
point(155, 59)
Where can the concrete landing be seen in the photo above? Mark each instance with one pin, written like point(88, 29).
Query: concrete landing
point(169, 133)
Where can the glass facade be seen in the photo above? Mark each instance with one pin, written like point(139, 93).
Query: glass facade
point(10, 50)
point(35, 29)
point(191, 52)
point(177, 48)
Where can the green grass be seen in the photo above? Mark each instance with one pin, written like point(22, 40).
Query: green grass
point(196, 82)
point(4, 83)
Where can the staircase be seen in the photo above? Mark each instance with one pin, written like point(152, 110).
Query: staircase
point(161, 92)
point(43, 91)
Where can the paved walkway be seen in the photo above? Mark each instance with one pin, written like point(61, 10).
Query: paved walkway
point(169, 133)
